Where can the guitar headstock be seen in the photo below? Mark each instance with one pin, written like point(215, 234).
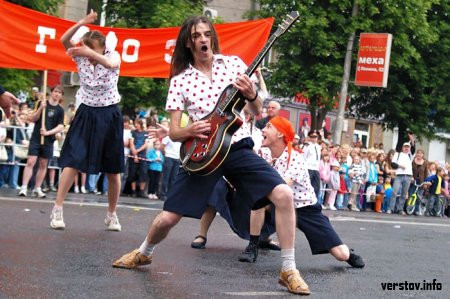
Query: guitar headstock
point(286, 23)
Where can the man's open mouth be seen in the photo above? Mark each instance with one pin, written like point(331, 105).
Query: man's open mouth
point(204, 48)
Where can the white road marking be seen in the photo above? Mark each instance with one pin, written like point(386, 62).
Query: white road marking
point(256, 293)
point(351, 219)
point(91, 204)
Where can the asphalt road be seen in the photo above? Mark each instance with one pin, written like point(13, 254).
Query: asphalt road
point(38, 262)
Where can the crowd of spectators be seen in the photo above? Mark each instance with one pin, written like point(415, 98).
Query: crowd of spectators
point(351, 176)
point(357, 178)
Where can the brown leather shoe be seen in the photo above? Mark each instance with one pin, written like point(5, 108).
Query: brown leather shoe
point(132, 260)
point(294, 282)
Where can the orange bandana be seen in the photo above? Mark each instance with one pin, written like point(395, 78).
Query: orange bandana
point(284, 127)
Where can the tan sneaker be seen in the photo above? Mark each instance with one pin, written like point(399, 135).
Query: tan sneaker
point(132, 260)
point(294, 282)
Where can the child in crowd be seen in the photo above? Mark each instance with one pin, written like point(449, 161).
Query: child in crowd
point(432, 166)
point(434, 201)
point(155, 162)
point(324, 172)
point(345, 166)
point(371, 181)
point(342, 192)
point(379, 194)
point(137, 172)
point(334, 185)
point(356, 172)
point(387, 194)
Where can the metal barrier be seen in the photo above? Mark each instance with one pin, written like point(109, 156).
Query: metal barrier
point(14, 146)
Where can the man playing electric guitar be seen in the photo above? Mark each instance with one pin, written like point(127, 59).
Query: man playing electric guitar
point(198, 76)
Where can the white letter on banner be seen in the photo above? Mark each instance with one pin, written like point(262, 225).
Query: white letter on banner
point(130, 42)
point(169, 44)
point(43, 31)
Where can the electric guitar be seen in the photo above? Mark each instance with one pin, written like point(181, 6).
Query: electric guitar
point(203, 156)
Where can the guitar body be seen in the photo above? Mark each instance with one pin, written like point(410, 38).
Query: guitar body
point(203, 156)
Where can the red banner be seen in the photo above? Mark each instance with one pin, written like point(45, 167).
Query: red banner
point(30, 40)
point(373, 59)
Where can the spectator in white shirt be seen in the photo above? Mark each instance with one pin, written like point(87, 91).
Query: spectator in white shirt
point(403, 178)
point(312, 157)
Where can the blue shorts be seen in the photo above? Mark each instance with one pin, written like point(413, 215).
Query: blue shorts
point(94, 142)
point(251, 175)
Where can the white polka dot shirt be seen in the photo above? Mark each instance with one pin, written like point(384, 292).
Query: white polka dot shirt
point(296, 171)
point(98, 84)
point(192, 90)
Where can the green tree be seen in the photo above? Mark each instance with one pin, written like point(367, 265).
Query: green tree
point(145, 92)
point(417, 96)
point(311, 55)
point(46, 6)
point(311, 58)
point(16, 80)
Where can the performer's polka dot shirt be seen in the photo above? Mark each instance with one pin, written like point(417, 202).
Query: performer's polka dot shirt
point(98, 85)
point(296, 171)
point(192, 90)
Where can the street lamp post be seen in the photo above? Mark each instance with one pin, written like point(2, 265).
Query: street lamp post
point(344, 86)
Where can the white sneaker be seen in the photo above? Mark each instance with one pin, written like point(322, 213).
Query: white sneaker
point(333, 208)
point(57, 219)
point(23, 191)
point(76, 189)
point(38, 192)
point(355, 209)
point(324, 207)
point(83, 190)
point(113, 223)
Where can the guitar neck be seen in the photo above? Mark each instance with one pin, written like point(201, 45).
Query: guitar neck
point(251, 69)
point(285, 25)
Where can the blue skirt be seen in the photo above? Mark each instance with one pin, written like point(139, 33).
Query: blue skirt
point(251, 175)
point(317, 228)
point(94, 142)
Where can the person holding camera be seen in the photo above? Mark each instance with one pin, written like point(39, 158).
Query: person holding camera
point(7, 99)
